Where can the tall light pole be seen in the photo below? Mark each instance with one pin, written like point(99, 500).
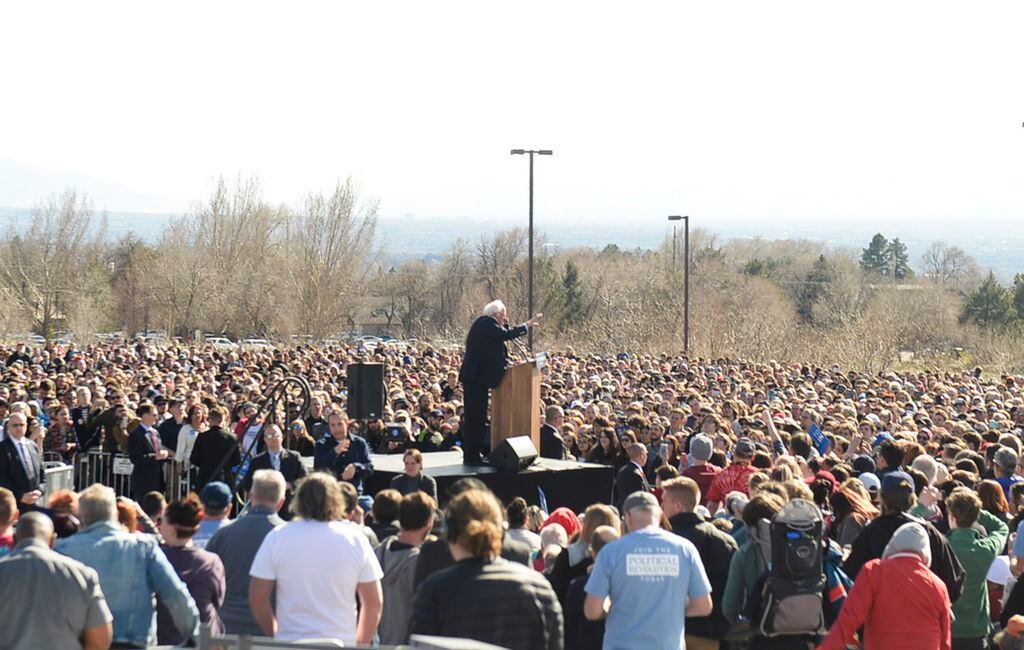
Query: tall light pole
point(686, 277)
point(529, 263)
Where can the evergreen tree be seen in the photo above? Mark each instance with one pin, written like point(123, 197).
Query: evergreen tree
point(813, 288)
point(990, 305)
point(575, 311)
point(1018, 294)
point(899, 261)
point(875, 258)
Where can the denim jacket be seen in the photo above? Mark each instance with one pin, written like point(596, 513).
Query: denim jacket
point(132, 568)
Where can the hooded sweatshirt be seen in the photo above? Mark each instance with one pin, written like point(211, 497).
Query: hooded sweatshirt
point(911, 612)
point(398, 561)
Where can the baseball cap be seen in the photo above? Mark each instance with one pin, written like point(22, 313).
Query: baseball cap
point(870, 481)
point(216, 495)
point(744, 447)
point(639, 499)
point(863, 464)
point(882, 437)
point(897, 482)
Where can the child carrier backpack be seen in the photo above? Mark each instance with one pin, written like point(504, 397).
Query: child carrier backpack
point(791, 598)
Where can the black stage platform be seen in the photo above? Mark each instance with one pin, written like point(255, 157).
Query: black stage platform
point(564, 483)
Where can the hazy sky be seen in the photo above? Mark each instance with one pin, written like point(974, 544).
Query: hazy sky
point(726, 111)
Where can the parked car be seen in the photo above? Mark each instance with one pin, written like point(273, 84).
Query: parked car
point(255, 344)
point(221, 343)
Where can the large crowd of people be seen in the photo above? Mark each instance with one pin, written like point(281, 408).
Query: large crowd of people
point(755, 505)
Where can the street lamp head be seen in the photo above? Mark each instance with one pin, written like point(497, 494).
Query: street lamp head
point(518, 152)
point(545, 152)
point(674, 217)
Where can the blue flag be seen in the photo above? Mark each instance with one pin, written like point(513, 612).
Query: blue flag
point(821, 443)
point(543, 499)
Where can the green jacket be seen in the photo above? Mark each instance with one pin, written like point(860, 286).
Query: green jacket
point(745, 568)
point(976, 551)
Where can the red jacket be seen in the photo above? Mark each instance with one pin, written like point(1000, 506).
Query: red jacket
point(910, 613)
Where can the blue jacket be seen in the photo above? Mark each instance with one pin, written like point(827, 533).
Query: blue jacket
point(131, 569)
point(358, 455)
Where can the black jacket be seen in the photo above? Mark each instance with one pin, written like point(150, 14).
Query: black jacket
point(486, 354)
point(209, 450)
point(435, 556)
point(291, 468)
point(551, 443)
point(716, 549)
point(630, 479)
point(13, 475)
point(871, 541)
point(147, 472)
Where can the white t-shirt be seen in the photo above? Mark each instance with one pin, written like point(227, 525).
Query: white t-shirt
point(317, 566)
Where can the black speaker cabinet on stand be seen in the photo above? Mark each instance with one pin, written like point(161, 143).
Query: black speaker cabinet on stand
point(365, 391)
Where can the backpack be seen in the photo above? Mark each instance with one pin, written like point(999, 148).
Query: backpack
point(791, 596)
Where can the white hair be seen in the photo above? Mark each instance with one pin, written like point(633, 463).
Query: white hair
point(494, 307)
point(268, 487)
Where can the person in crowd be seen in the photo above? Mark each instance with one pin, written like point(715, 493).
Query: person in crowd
point(642, 606)
point(348, 456)
point(897, 499)
point(436, 555)
point(195, 425)
point(215, 452)
point(851, 511)
point(63, 511)
point(384, 514)
point(53, 601)
point(237, 544)
point(576, 559)
point(750, 561)
point(21, 463)
point(299, 440)
point(551, 443)
point(132, 569)
point(735, 477)
point(216, 500)
point(715, 548)
point(170, 426)
point(515, 514)
point(201, 571)
point(8, 514)
point(413, 479)
point(580, 633)
point(279, 459)
point(147, 453)
point(976, 550)
point(632, 477)
point(483, 366)
point(994, 501)
point(897, 600)
point(483, 596)
point(312, 602)
point(398, 555)
point(606, 452)
point(700, 470)
point(153, 504)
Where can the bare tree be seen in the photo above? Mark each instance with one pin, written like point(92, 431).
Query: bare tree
point(44, 268)
point(950, 266)
point(328, 242)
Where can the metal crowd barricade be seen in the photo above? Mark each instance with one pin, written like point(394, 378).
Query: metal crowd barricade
point(178, 479)
point(57, 475)
point(113, 470)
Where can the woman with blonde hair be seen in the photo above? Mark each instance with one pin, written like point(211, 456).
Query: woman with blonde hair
point(575, 559)
point(482, 596)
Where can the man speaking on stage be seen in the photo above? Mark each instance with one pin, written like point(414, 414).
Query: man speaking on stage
point(483, 366)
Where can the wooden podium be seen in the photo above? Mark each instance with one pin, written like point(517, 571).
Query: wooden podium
point(515, 403)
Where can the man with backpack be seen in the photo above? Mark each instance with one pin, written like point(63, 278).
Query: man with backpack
point(398, 555)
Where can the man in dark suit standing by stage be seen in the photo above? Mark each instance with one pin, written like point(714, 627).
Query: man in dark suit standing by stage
point(276, 457)
point(631, 477)
point(483, 366)
point(20, 467)
point(551, 443)
point(147, 454)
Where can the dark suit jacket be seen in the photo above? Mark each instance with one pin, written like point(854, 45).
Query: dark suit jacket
point(551, 443)
point(12, 471)
point(629, 480)
point(291, 467)
point(210, 448)
point(147, 473)
point(435, 556)
point(486, 354)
